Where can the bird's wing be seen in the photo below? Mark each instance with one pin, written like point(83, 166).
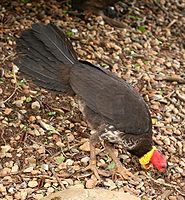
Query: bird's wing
point(112, 98)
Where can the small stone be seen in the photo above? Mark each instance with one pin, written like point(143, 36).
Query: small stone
point(180, 170)
point(101, 163)
point(23, 194)
point(15, 169)
point(166, 141)
point(69, 162)
point(47, 185)
point(85, 160)
point(110, 184)
point(38, 196)
point(76, 167)
point(11, 190)
point(35, 105)
point(45, 167)
point(171, 149)
point(32, 184)
point(23, 185)
point(74, 30)
point(50, 190)
point(4, 150)
point(60, 144)
point(168, 64)
point(4, 172)
point(2, 188)
point(32, 118)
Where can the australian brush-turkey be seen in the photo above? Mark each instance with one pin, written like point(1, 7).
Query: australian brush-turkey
point(92, 5)
point(112, 108)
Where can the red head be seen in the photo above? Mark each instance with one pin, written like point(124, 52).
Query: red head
point(159, 161)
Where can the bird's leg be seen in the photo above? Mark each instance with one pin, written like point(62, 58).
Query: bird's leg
point(119, 167)
point(94, 139)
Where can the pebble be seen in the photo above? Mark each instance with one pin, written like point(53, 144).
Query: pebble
point(23, 185)
point(45, 167)
point(167, 141)
point(46, 185)
point(32, 183)
point(15, 169)
point(23, 194)
point(85, 160)
point(69, 162)
point(110, 184)
point(12, 190)
point(50, 190)
point(38, 196)
point(32, 118)
point(2, 188)
point(35, 105)
point(171, 149)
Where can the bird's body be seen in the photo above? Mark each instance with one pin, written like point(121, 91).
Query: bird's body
point(109, 104)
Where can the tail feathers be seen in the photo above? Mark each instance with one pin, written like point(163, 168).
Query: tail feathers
point(46, 56)
point(46, 80)
point(56, 42)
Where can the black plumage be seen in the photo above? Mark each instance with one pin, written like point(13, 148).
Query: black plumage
point(111, 106)
point(92, 5)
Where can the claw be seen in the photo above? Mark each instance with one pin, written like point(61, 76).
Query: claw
point(92, 166)
point(97, 172)
point(123, 172)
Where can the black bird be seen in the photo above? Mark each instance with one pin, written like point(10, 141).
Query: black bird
point(92, 5)
point(112, 108)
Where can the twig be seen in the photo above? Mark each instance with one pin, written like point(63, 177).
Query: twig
point(112, 22)
point(160, 6)
point(171, 23)
point(58, 179)
point(7, 57)
point(15, 88)
point(180, 96)
point(166, 184)
point(2, 133)
point(172, 79)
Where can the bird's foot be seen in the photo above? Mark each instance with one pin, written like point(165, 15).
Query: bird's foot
point(123, 172)
point(97, 172)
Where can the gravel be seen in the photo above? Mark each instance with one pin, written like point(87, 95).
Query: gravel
point(44, 139)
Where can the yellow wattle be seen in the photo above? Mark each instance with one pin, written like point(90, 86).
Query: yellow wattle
point(144, 160)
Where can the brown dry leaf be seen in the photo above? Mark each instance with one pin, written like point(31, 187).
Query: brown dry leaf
point(90, 183)
point(7, 111)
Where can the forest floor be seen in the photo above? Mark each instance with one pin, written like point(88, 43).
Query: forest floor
point(44, 143)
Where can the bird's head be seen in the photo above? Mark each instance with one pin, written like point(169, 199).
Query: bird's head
point(154, 157)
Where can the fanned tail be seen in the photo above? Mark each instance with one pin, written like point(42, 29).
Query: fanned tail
point(46, 56)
